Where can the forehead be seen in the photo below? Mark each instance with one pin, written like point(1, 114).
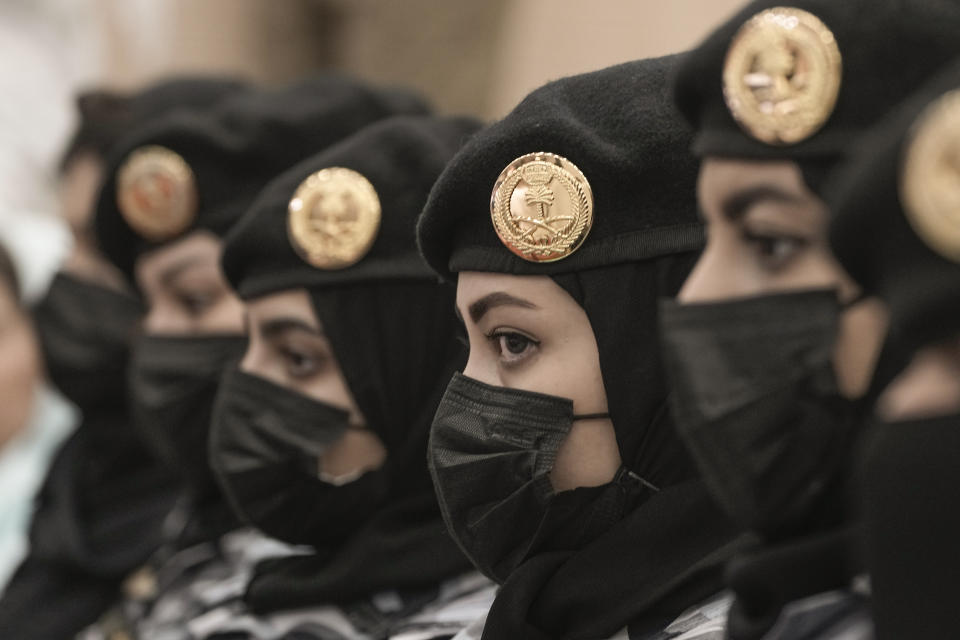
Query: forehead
point(536, 293)
point(719, 175)
point(201, 247)
point(292, 304)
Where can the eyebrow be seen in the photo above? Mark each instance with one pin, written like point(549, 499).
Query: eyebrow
point(735, 206)
point(497, 299)
point(174, 271)
point(275, 327)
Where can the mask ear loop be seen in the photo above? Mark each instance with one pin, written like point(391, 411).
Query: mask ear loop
point(623, 475)
point(591, 416)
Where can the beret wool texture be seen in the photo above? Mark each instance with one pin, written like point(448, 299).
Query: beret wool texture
point(619, 128)
point(888, 48)
point(239, 144)
point(401, 157)
point(873, 239)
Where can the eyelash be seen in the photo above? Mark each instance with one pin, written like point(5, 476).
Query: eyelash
point(497, 339)
point(197, 303)
point(292, 356)
point(765, 245)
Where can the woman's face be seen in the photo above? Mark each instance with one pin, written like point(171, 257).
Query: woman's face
point(526, 332)
point(20, 367)
point(289, 348)
point(767, 233)
point(185, 290)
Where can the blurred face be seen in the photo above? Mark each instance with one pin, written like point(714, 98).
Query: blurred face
point(767, 233)
point(929, 386)
point(20, 367)
point(526, 332)
point(78, 191)
point(185, 290)
point(288, 347)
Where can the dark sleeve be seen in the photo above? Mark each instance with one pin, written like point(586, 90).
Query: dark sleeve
point(47, 601)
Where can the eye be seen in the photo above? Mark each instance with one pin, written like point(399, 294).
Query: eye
point(774, 251)
point(301, 364)
point(512, 347)
point(197, 303)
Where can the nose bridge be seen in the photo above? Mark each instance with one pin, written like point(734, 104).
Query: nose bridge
point(253, 357)
point(700, 284)
point(480, 366)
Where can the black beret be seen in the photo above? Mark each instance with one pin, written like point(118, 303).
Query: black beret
point(400, 158)
point(620, 129)
point(887, 47)
point(236, 146)
point(905, 250)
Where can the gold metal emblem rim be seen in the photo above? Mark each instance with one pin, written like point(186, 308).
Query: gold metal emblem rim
point(795, 91)
point(156, 193)
point(575, 186)
point(346, 232)
point(930, 176)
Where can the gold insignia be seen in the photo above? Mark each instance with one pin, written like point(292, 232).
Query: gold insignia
point(542, 207)
point(157, 193)
point(782, 75)
point(333, 218)
point(930, 177)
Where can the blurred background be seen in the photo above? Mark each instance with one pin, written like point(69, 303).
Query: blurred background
point(469, 57)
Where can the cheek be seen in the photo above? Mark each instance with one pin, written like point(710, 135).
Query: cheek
point(331, 388)
point(355, 452)
point(862, 332)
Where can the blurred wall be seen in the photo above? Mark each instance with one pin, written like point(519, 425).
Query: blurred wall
point(469, 56)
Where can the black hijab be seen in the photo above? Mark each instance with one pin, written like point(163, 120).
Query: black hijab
point(391, 326)
point(619, 128)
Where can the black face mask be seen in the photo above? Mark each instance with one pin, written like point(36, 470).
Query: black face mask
point(85, 331)
point(756, 401)
point(173, 384)
point(490, 454)
point(266, 446)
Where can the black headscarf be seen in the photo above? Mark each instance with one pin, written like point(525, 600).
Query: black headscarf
point(618, 126)
point(391, 326)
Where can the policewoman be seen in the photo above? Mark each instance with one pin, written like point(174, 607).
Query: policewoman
point(772, 346)
point(553, 455)
point(89, 530)
point(895, 230)
point(319, 435)
point(171, 192)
